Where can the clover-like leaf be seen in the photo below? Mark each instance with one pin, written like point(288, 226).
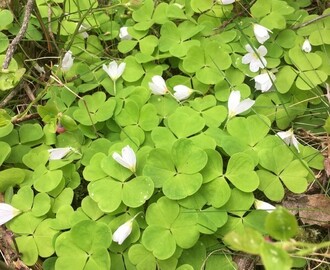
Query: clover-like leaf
point(94, 108)
point(249, 240)
point(249, 130)
point(187, 157)
point(182, 185)
point(46, 180)
point(94, 171)
point(41, 204)
point(27, 246)
point(30, 133)
point(141, 257)
point(44, 237)
point(159, 166)
point(240, 172)
point(153, 235)
point(85, 245)
point(168, 224)
point(11, 177)
point(274, 257)
point(281, 224)
point(185, 122)
point(271, 185)
point(137, 191)
point(275, 159)
point(294, 176)
point(213, 167)
point(23, 199)
point(239, 202)
point(210, 219)
point(5, 151)
point(107, 193)
point(217, 192)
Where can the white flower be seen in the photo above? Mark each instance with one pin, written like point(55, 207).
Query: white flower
point(127, 158)
point(113, 70)
point(289, 138)
point(182, 92)
point(123, 231)
point(261, 205)
point(67, 61)
point(235, 106)
point(82, 30)
point(261, 33)
point(7, 212)
point(264, 81)
point(40, 69)
point(306, 47)
point(59, 153)
point(256, 60)
point(226, 2)
point(158, 85)
point(123, 33)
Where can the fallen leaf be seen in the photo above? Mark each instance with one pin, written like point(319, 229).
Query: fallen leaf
point(315, 210)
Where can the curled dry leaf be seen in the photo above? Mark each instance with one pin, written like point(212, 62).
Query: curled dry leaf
point(315, 210)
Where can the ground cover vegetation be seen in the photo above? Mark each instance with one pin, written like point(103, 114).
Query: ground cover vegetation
point(183, 134)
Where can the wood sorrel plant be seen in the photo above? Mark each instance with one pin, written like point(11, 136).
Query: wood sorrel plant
point(201, 156)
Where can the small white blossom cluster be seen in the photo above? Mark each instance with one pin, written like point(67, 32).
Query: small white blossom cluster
point(158, 87)
point(256, 59)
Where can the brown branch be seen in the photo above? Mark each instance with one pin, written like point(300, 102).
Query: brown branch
point(12, 47)
point(25, 118)
point(29, 92)
point(10, 96)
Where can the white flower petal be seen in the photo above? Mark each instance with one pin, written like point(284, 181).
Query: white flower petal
point(123, 232)
point(227, 2)
point(113, 70)
point(59, 153)
point(254, 66)
point(249, 48)
point(306, 47)
point(246, 59)
point(82, 30)
point(235, 106)
point(262, 50)
point(123, 33)
point(261, 205)
point(7, 212)
point(233, 102)
point(158, 85)
point(67, 61)
point(261, 33)
point(113, 67)
point(289, 138)
point(255, 58)
point(182, 92)
point(244, 105)
point(264, 81)
point(284, 134)
point(127, 158)
point(121, 69)
point(295, 143)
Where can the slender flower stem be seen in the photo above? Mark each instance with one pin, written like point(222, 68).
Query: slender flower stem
point(114, 87)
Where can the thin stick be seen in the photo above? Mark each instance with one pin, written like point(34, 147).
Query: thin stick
point(25, 118)
point(12, 47)
point(311, 21)
point(10, 96)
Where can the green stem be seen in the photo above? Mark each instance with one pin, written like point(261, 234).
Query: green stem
point(310, 248)
point(114, 88)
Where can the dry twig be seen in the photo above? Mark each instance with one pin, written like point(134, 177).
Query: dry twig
point(12, 47)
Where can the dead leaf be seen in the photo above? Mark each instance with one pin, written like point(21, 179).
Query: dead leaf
point(315, 210)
